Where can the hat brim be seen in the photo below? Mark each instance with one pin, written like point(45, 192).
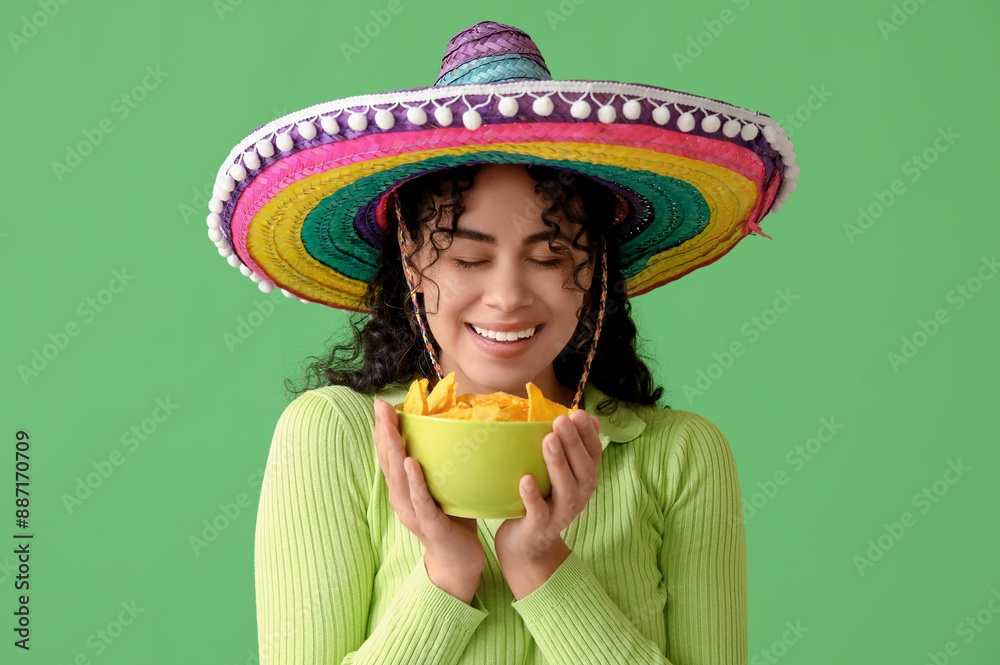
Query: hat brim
point(698, 174)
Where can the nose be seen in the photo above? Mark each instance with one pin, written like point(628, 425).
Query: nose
point(507, 288)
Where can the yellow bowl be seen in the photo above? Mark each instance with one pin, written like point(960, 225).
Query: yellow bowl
point(473, 467)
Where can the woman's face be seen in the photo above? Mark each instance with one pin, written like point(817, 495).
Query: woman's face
point(500, 276)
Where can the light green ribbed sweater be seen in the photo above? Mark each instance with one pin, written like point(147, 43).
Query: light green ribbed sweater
point(657, 571)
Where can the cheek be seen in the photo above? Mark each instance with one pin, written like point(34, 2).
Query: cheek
point(452, 296)
point(456, 289)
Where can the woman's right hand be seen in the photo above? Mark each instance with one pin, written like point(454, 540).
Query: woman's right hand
point(452, 543)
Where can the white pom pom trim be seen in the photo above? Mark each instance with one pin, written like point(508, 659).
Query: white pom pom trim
point(245, 270)
point(255, 277)
point(749, 132)
point(251, 160)
point(237, 172)
point(607, 113)
point(226, 183)
point(214, 221)
point(215, 234)
point(507, 106)
point(580, 109)
point(266, 286)
point(685, 122)
point(234, 260)
point(661, 115)
point(443, 116)
point(307, 130)
point(710, 124)
point(416, 115)
point(632, 109)
point(357, 121)
point(384, 119)
point(471, 119)
point(329, 125)
point(732, 127)
point(264, 148)
point(543, 106)
point(284, 141)
point(215, 205)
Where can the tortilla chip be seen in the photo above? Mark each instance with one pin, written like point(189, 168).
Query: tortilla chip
point(416, 398)
point(442, 397)
point(486, 412)
point(514, 412)
point(456, 414)
point(443, 402)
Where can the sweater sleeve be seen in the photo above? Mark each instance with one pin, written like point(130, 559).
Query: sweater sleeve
point(703, 560)
point(704, 557)
point(314, 563)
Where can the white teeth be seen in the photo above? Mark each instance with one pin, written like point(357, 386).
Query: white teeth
point(504, 336)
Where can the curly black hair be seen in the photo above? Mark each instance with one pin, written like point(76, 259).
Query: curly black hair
point(388, 341)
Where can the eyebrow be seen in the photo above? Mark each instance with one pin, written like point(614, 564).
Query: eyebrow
point(479, 236)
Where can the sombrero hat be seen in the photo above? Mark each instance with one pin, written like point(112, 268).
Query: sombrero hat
point(302, 202)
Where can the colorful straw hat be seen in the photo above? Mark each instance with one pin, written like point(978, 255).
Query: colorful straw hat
point(302, 202)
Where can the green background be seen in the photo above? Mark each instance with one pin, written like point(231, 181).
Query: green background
point(136, 204)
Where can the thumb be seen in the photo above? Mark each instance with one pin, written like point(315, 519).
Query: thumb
point(533, 501)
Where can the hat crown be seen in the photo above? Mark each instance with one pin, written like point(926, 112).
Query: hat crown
point(490, 52)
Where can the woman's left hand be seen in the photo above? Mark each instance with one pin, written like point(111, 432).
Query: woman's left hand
point(573, 473)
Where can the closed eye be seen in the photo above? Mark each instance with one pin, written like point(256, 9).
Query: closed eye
point(466, 265)
point(553, 263)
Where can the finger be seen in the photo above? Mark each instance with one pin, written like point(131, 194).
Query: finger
point(588, 428)
point(396, 476)
point(379, 445)
point(580, 459)
point(564, 483)
point(379, 437)
point(423, 503)
point(535, 506)
point(389, 414)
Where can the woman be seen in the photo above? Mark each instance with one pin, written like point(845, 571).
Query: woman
point(639, 554)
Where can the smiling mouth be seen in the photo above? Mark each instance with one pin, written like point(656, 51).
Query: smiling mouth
point(505, 341)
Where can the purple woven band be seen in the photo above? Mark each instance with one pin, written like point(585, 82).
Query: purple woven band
point(485, 39)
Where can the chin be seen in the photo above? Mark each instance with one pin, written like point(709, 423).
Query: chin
point(499, 377)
